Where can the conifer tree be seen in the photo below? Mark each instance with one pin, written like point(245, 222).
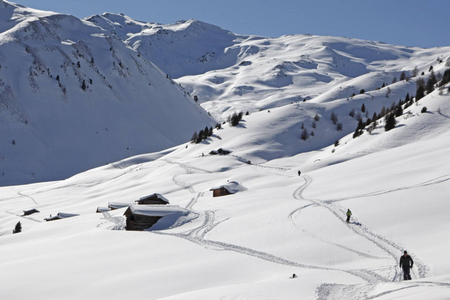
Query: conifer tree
point(363, 108)
point(431, 82)
point(420, 93)
point(17, 228)
point(194, 137)
point(390, 122)
point(334, 118)
point(403, 76)
point(304, 136)
point(200, 137)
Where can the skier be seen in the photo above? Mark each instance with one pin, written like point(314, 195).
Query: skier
point(406, 263)
point(349, 214)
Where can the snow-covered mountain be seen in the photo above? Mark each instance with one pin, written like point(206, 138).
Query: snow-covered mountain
point(280, 222)
point(73, 97)
point(230, 72)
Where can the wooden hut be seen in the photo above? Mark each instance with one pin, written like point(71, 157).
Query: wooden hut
point(153, 199)
point(30, 212)
point(228, 188)
point(140, 217)
point(60, 216)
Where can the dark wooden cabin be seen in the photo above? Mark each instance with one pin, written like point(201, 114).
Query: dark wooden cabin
point(220, 192)
point(136, 221)
point(153, 199)
point(228, 188)
point(143, 217)
point(30, 212)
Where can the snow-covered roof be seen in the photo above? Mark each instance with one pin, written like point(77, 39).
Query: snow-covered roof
point(159, 196)
point(117, 205)
point(231, 186)
point(102, 209)
point(61, 216)
point(157, 210)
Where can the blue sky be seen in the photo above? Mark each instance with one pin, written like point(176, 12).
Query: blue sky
point(403, 22)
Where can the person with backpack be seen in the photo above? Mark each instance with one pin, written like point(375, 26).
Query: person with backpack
point(406, 263)
point(349, 214)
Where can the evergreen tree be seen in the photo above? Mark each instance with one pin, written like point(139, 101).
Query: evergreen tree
point(317, 118)
point(394, 80)
point(399, 111)
point(195, 97)
point(390, 122)
point(334, 118)
point(431, 82)
point(205, 133)
point(17, 228)
point(362, 91)
point(194, 137)
point(403, 76)
point(83, 86)
point(339, 126)
point(199, 137)
point(210, 131)
point(352, 113)
point(420, 93)
point(304, 136)
point(363, 108)
point(407, 99)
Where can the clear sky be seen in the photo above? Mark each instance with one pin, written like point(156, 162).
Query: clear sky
point(421, 23)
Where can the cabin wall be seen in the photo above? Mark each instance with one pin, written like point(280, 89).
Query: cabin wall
point(138, 222)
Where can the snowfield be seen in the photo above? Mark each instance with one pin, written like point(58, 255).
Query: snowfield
point(278, 223)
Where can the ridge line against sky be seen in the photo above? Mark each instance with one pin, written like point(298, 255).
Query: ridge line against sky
point(401, 22)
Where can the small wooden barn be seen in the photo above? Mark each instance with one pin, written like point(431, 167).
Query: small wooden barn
point(228, 188)
point(60, 216)
point(140, 217)
point(153, 199)
point(30, 212)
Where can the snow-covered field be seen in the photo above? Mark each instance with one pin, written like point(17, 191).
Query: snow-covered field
point(247, 245)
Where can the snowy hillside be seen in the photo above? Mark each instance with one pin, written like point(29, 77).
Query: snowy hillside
point(320, 138)
point(247, 245)
point(73, 97)
point(230, 72)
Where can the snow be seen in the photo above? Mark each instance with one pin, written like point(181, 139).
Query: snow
point(52, 128)
point(248, 245)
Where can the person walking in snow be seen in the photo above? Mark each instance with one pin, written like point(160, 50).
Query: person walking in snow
point(406, 263)
point(349, 214)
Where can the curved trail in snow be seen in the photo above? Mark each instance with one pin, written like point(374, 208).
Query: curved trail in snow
point(339, 291)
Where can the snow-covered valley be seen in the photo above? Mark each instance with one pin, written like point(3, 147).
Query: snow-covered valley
point(292, 190)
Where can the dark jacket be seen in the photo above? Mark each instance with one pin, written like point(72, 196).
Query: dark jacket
point(405, 261)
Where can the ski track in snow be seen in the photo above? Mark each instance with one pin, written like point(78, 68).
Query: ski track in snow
point(338, 291)
point(325, 291)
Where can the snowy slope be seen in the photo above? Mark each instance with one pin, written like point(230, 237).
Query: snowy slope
point(73, 97)
point(249, 244)
point(230, 72)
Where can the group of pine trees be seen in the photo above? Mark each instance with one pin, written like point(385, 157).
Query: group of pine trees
point(202, 135)
point(235, 118)
point(305, 134)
